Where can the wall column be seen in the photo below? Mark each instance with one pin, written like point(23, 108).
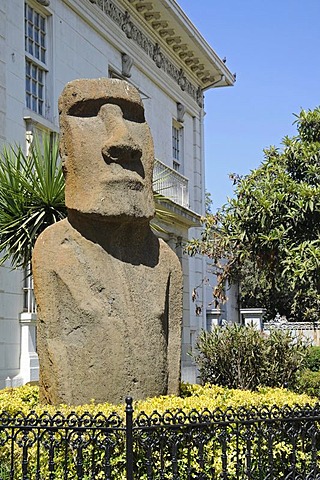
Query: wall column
point(29, 364)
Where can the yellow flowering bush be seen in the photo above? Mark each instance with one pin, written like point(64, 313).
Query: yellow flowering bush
point(207, 459)
point(193, 397)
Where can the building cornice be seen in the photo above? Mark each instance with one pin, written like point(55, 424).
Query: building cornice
point(173, 27)
point(128, 20)
point(182, 216)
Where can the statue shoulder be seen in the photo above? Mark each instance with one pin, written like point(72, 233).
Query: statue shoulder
point(167, 254)
point(49, 243)
point(53, 234)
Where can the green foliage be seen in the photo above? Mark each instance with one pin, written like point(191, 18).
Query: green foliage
point(219, 247)
point(285, 357)
point(312, 360)
point(31, 197)
point(309, 383)
point(231, 356)
point(309, 125)
point(242, 357)
point(269, 232)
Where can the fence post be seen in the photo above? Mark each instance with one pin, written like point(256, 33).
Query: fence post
point(129, 438)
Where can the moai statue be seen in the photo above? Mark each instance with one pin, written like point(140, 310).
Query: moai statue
point(109, 292)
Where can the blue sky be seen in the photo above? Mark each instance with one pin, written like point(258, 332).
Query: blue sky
point(274, 47)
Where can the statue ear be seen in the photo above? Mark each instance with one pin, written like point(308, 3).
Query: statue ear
point(64, 167)
point(63, 155)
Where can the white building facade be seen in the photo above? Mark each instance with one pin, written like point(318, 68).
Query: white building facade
point(153, 45)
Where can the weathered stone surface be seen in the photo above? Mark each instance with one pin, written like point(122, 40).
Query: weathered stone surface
point(107, 150)
point(109, 292)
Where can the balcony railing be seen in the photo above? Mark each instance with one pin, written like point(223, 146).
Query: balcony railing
point(170, 184)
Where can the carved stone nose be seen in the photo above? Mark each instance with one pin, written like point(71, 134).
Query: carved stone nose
point(122, 152)
point(120, 146)
point(128, 155)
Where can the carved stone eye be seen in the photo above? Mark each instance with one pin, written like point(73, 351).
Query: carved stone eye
point(132, 112)
point(86, 108)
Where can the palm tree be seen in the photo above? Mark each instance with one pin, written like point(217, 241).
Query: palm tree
point(31, 197)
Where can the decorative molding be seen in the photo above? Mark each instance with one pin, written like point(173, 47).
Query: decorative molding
point(123, 20)
point(291, 325)
point(180, 112)
point(127, 63)
point(45, 3)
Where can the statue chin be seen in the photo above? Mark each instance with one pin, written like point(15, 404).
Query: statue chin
point(129, 206)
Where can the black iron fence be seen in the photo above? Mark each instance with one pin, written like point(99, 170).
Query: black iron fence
point(265, 443)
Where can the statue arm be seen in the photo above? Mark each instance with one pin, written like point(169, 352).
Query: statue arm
point(174, 326)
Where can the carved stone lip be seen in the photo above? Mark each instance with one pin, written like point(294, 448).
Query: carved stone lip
point(132, 182)
point(123, 171)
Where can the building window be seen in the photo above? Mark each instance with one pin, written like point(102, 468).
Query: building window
point(177, 146)
point(36, 59)
point(193, 334)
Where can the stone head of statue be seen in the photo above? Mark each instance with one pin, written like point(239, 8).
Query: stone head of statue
point(106, 149)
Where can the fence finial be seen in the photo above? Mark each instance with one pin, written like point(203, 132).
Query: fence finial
point(129, 438)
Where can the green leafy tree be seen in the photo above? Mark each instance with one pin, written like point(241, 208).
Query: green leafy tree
point(269, 232)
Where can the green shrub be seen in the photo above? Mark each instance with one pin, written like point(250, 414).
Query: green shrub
point(243, 357)
point(285, 357)
point(309, 383)
point(231, 356)
point(312, 360)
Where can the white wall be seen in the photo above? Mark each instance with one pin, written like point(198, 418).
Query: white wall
point(85, 44)
point(11, 304)
point(3, 102)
